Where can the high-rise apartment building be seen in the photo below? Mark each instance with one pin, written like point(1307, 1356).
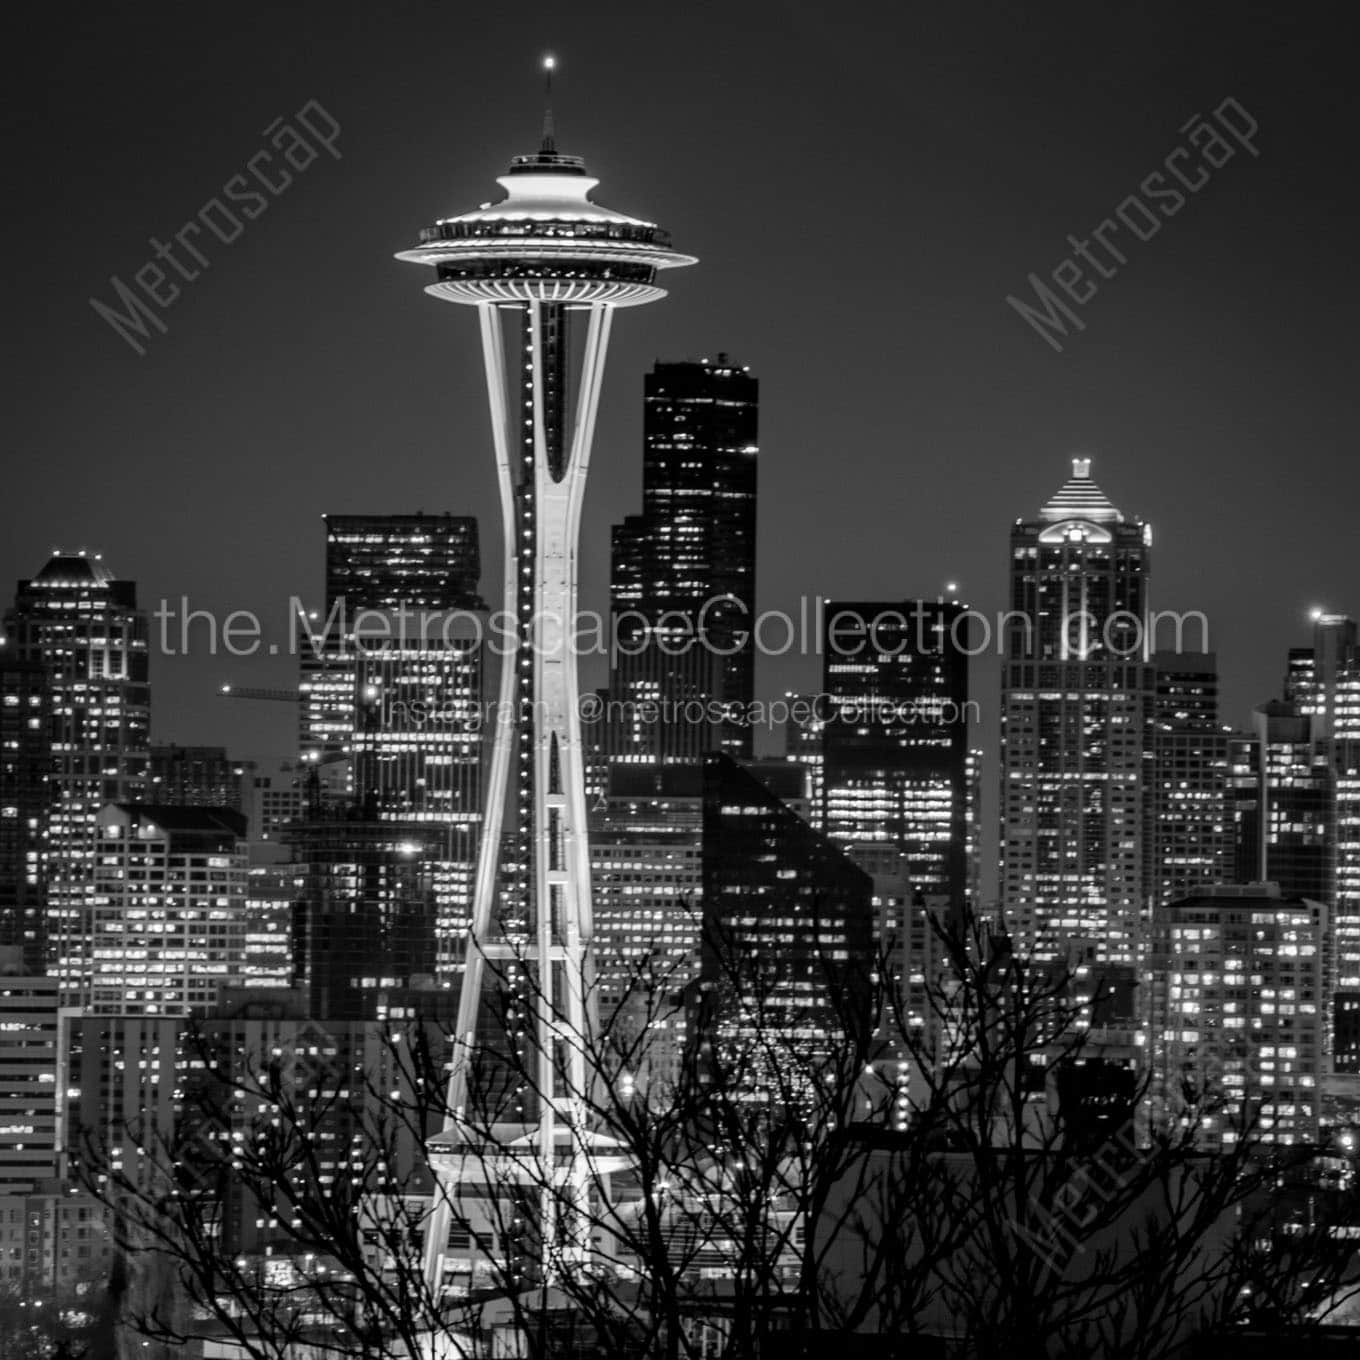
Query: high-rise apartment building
point(165, 924)
point(83, 627)
point(1239, 987)
point(683, 574)
point(1077, 706)
point(25, 759)
point(1191, 837)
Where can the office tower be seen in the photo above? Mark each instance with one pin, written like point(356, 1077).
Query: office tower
point(28, 1075)
point(1076, 712)
point(973, 831)
point(365, 915)
point(338, 1078)
point(1239, 987)
point(165, 926)
point(83, 627)
point(394, 701)
point(683, 572)
point(378, 563)
point(417, 746)
point(1323, 681)
point(1283, 801)
point(25, 758)
point(803, 745)
point(646, 866)
point(276, 801)
point(548, 258)
point(895, 741)
point(789, 933)
point(272, 888)
point(1188, 795)
point(198, 776)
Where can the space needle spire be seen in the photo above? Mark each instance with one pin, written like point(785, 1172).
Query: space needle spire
point(542, 263)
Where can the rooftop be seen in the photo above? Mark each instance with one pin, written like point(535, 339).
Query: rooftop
point(1080, 498)
point(74, 568)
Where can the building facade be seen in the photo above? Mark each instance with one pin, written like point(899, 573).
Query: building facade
point(1283, 798)
point(789, 938)
point(165, 927)
point(28, 1075)
point(1077, 705)
point(25, 761)
point(82, 626)
point(895, 741)
point(683, 572)
point(646, 838)
point(1239, 987)
point(1191, 840)
point(381, 563)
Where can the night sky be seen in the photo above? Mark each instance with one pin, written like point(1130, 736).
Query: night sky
point(864, 185)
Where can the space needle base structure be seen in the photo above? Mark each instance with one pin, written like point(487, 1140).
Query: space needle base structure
point(537, 265)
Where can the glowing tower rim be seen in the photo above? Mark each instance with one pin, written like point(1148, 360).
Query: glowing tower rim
point(547, 253)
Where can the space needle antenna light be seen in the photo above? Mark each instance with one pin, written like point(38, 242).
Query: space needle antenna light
point(544, 262)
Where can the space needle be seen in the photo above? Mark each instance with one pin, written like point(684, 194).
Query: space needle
point(549, 262)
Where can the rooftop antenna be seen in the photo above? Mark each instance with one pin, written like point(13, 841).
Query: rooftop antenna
point(549, 146)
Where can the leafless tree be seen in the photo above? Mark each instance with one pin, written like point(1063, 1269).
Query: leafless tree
point(988, 1175)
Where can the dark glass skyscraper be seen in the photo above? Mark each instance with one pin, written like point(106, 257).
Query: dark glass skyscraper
point(895, 740)
point(1077, 702)
point(683, 576)
point(1284, 804)
point(25, 758)
point(199, 776)
point(789, 939)
point(387, 853)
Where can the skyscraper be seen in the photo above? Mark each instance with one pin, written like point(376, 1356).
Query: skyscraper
point(365, 916)
point(789, 933)
point(1188, 799)
point(1283, 801)
point(548, 257)
point(25, 760)
point(83, 627)
point(895, 740)
point(683, 572)
point(646, 839)
point(417, 754)
point(377, 563)
point(392, 733)
point(1324, 682)
point(1077, 702)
